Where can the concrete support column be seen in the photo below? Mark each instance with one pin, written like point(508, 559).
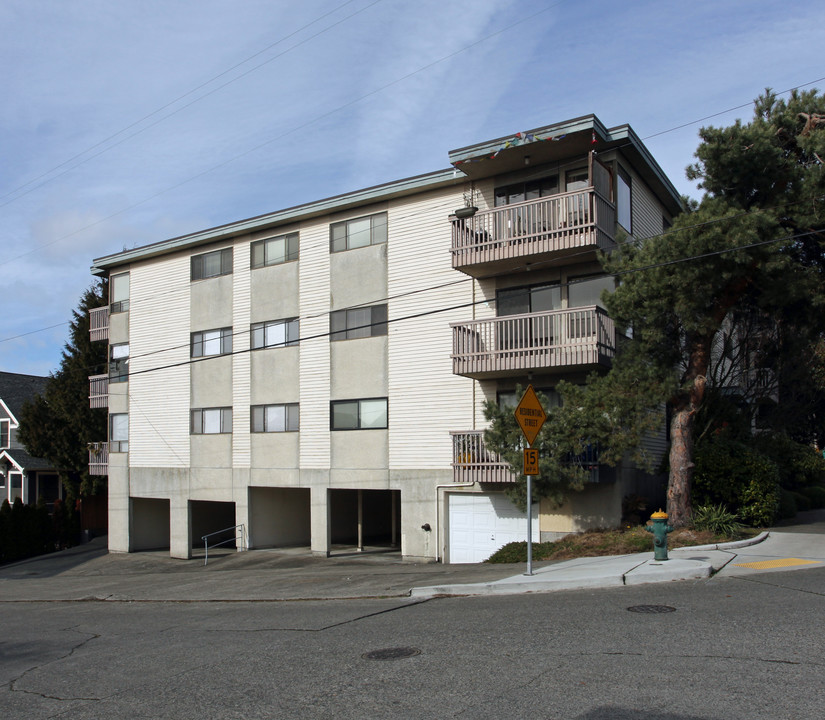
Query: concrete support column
point(240, 496)
point(180, 522)
point(120, 511)
point(320, 521)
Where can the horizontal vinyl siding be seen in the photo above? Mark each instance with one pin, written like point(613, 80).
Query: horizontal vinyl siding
point(159, 320)
point(647, 211)
point(314, 350)
point(241, 390)
point(426, 400)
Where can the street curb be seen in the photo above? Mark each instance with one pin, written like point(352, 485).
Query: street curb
point(728, 545)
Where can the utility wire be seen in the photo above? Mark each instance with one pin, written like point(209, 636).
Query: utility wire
point(436, 311)
point(177, 100)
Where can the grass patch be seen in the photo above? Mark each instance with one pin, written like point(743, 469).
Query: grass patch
point(598, 543)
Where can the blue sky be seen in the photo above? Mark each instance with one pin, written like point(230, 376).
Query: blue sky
point(126, 123)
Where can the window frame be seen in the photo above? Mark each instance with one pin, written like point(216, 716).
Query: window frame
point(5, 423)
point(291, 250)
point(117, 306)
point(292, 333)
point(118, 367)
point(259, 418)
point(359, 422)
point(197, 264)
point(378, 232)
point(117, 445)
point(624, 200)
point(197, 340)
point(197, 421)
point(354, 328)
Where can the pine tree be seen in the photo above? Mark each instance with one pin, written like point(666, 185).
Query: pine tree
point(59, 424)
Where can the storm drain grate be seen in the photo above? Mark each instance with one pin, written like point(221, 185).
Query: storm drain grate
point(391, 653)
point(651, 609)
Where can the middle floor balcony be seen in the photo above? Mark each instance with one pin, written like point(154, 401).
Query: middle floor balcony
point(577, 339)
point(99, 391)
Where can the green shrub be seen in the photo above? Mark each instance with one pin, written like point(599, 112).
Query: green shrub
point(816, 496)
point(732, 474)
point(799, 465)
point(716, 519)
point(787, 504)
point(802, 501)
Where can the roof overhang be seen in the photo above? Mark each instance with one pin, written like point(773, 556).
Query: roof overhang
point(337, 203)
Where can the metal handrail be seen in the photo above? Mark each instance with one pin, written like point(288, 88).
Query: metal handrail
point(234, 538)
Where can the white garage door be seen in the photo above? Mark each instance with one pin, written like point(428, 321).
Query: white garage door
point(481, 524)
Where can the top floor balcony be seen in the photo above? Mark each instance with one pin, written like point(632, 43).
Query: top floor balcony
point(536, 231)
point(99, 323)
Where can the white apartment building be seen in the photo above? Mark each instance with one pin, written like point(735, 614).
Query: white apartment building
point(316, 376)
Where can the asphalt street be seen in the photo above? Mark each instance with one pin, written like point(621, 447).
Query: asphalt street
point(745, 643)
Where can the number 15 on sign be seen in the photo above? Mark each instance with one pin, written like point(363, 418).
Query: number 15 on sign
point(531, 461)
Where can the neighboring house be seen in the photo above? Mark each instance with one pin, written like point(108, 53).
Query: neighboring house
point(317, 374)
point(21, 475)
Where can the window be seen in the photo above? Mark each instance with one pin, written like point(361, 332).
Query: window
point(275, 418)
point(623, 207)
point(275, 333)
point(212, 264)
point(532, 299)
point(4, 433)
point(274, 251)
point(119, 363)
point(358, 322)
point(586, 291)
point(509, 398)
point(212, 342)
point(519, 192)
point(119, 293)
point(119, 433)
point(369, 414)
point(211, 421)
point(360, 232)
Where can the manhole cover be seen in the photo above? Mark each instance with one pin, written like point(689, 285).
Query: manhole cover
point(652, 609)
point(391, 653)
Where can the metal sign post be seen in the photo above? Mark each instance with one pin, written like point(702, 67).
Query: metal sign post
point(530, 416)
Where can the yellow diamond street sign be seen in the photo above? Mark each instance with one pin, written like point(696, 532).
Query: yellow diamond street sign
point(530, 415)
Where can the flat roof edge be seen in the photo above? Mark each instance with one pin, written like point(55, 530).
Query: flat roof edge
point(375, 193)
point(488, 147)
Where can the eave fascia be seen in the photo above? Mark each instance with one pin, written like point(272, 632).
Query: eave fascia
point(297, 213)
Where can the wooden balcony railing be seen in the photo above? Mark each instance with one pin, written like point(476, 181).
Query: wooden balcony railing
point(541, 227)
point(99, 458)
point(99, 391)
point(472, 462)
point(99, 323)
point(512, 344)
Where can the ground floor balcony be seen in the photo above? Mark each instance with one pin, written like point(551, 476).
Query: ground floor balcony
point(99, 458)
point(581, 338)
point(99, 391)
point(99, 323)
point(534, 232)
point(473, 462)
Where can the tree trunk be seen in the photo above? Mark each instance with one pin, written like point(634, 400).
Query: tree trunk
point(680, 483)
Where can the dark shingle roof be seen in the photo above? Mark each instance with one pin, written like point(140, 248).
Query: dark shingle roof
point(15, 389)
point(26, 461)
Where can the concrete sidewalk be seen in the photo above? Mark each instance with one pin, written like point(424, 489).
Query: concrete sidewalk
point(90, 573)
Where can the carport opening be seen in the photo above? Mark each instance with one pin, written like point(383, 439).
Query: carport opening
point(365, 520)
point(279, 517)
point(207, 517)
point(149, 524)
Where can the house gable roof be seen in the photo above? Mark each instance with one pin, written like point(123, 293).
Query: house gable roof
point(16, 389)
